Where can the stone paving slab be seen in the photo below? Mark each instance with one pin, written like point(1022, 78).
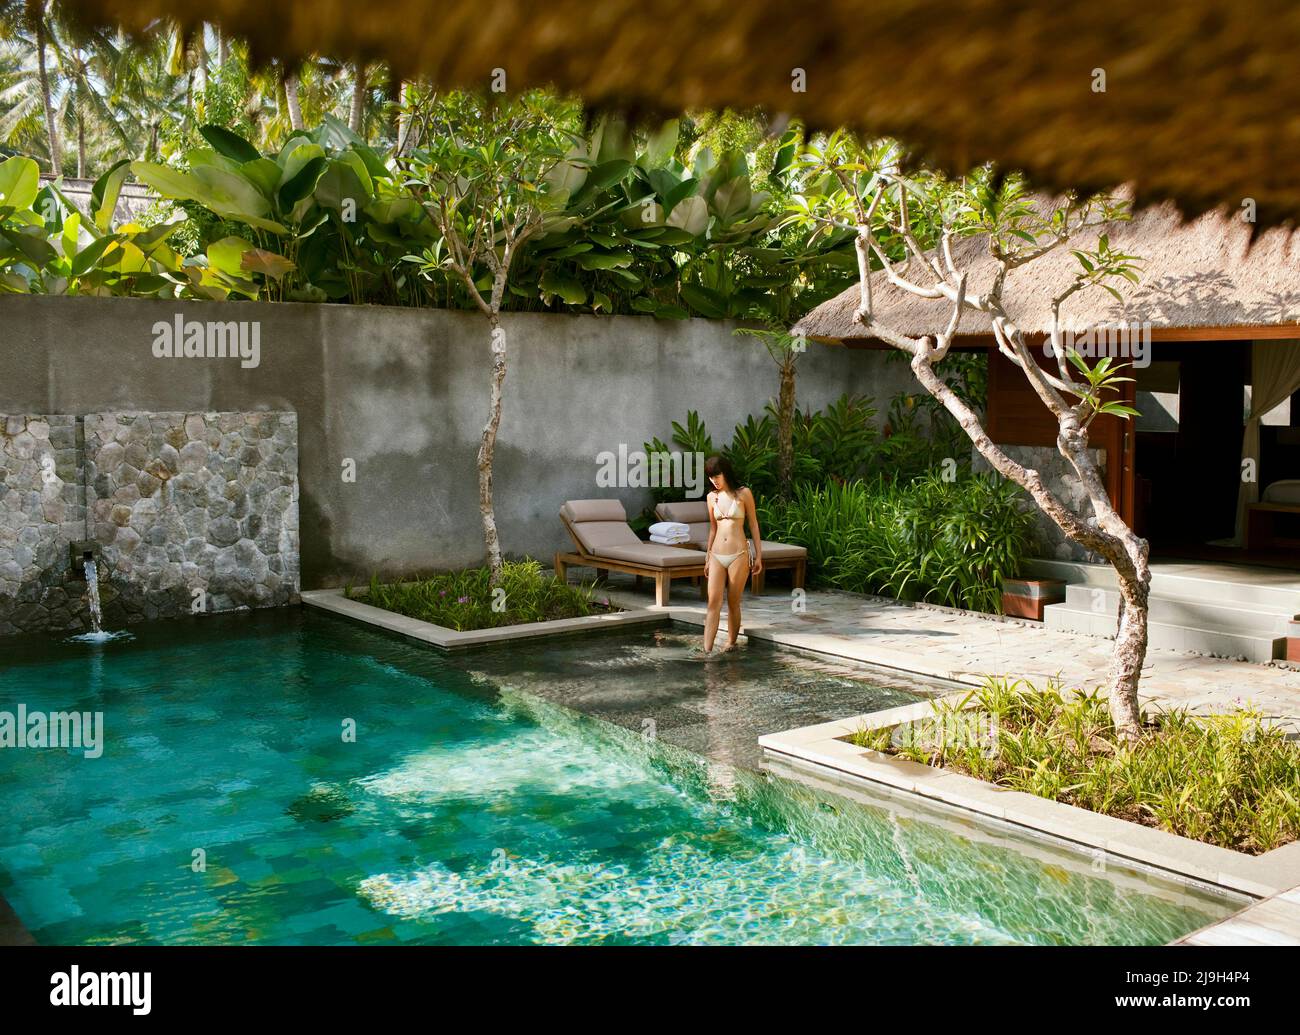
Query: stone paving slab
point(966, 647)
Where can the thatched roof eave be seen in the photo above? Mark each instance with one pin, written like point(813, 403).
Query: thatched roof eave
point(1205, 273)
point(1199, 104)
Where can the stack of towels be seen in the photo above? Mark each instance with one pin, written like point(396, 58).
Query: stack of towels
point(670, 533)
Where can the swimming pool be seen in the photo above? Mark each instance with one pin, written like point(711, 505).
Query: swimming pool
point(478, 805)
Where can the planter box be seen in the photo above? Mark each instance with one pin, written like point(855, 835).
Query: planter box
point(1026, 598)
point(334, 601)
point(827, 750)
point(1293, 639)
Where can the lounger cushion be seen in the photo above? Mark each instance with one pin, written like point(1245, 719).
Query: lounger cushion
point(696, 514)
point(783, 551)
point(1285, 491)
point(593, 510)
point(599, 524)
point(693, 513)
point(652, 554)
point(689, 513)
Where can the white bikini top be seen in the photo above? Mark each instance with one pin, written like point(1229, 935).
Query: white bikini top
point(734, 512)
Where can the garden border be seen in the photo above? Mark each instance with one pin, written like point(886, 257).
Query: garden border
point(825, 748)
point(335, 602)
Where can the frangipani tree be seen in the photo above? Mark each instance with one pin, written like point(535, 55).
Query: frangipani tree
point(483, 182)
point(863, 187)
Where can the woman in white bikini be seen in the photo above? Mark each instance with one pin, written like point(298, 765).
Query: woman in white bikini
point(730, 559)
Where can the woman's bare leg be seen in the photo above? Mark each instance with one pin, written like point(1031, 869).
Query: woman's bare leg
point(736, 576)
point(717, 589)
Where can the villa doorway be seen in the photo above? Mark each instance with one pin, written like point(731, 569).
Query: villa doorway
point(1187, 458)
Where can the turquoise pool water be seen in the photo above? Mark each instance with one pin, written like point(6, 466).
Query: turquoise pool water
point(470, 812)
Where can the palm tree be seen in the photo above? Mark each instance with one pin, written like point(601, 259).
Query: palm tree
point(357, 115)
point(22, 126)
point(148, 89)
point(85, 104)
point(26, 23)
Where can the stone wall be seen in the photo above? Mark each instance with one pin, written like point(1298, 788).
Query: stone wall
point(181, 503)
point(1059, 477)
point(187, 511)
point(41, 511)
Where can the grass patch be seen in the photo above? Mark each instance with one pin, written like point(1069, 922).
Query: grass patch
point(466, 600)
point(1226, 780)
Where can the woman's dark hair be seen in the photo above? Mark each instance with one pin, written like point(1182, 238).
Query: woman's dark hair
point(716, 465)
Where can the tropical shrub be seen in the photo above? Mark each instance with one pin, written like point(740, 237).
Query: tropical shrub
point(643, 221)
point(929, 531)
point(930, 539)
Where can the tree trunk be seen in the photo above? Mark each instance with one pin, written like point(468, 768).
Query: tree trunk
point(785, 427)
point(223, 49)
point(1130, 648)
point(51, 129)
point(403, 120)
point(81, 147)
point(292, 101)
point(357, 117)
point(1112, 538)
point(487, 448)
point(201, 59)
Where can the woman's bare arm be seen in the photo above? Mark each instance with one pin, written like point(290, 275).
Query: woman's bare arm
point(751, 512)
point(713, 524)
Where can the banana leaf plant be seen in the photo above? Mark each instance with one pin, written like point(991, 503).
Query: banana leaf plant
point(325, 217)
point(49, 246)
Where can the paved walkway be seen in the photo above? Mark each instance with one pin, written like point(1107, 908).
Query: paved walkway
point(960, 646)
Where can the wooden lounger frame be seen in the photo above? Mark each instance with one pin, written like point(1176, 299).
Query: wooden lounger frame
point(663, 576)
point(797, 566)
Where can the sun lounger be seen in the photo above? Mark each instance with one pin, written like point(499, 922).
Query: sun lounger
point(776, 556)
point(605, 541)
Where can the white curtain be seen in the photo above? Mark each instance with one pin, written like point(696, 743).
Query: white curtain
point(1274, 375)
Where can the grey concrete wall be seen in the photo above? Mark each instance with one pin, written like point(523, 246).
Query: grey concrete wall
point(403, 393)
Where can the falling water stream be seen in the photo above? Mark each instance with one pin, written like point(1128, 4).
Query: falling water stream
point(92, 596)
point(97, 633)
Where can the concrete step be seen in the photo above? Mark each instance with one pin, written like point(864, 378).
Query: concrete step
point(1268, 589)
point(1186, 611)
point(1220, 642)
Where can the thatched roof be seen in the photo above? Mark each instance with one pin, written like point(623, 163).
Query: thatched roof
point(1199, 273)
point(1200, 104)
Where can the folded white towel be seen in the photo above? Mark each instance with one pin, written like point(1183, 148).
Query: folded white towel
point(670, 528)
point(670, 540)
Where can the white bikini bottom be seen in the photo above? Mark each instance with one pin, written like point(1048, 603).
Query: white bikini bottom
point(725, 559)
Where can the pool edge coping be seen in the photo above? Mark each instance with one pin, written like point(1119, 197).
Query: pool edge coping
point(824, 747)
point(335, 602)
